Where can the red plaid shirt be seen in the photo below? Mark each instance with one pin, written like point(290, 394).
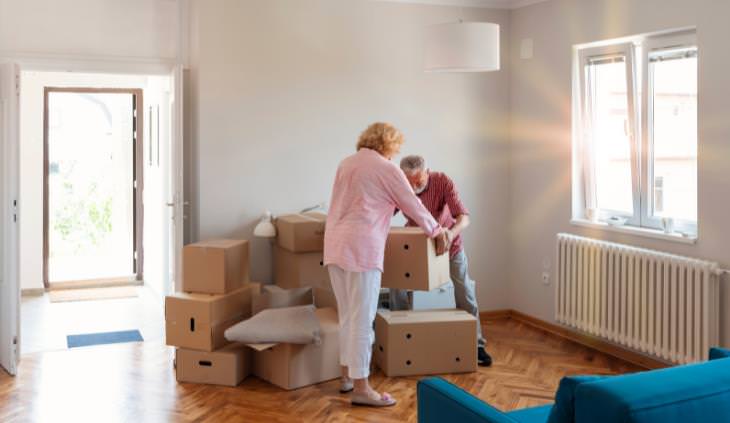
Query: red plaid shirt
point(441, 198)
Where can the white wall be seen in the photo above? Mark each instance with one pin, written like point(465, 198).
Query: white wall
point(109, 28)
point(541, 131)
point(282, 89)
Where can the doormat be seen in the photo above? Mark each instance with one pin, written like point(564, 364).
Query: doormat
point(84, 340)
point(90, 294)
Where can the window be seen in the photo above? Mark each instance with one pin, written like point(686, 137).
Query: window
point(637, 133)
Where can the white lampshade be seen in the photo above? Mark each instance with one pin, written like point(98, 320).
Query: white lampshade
point(462, 47)
point(265, 228)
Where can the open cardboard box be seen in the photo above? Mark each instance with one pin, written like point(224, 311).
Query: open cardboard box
point(292, 366)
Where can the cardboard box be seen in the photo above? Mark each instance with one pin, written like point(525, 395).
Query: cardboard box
point(226, 366)
point(324, 298)
point(439, 298)
point(216, 266)
point(411, 261)
point(411, 343)
point(197, 321)
point(294, 270)
point(302, 232)
point(292, 366)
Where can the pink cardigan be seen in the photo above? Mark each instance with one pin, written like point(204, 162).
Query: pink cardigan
point(367, 190)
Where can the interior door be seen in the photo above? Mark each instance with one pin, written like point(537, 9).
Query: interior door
point(176, 201)
point(9, 201)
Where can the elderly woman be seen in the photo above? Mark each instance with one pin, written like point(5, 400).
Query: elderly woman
point(368, 188)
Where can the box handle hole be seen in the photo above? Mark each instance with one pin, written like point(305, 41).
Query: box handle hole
point(408, 274)
point(205, 363)
point(458, 359)
point(192, 324)
point(408, 336)
point(406, 246)
point(408, 363)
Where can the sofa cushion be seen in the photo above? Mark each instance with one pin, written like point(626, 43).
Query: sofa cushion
point(296, 325)
point(537, 414)
point(691, 393)
point(563, 411)
point(718, 353)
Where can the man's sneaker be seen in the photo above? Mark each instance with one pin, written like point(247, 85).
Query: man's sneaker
point(483, 359)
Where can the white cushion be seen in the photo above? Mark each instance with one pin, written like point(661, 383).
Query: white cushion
point(295, 325)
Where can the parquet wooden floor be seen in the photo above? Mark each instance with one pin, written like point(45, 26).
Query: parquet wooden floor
point(136, 383)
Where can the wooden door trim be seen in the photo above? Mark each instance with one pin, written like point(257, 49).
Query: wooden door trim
point(137, 173)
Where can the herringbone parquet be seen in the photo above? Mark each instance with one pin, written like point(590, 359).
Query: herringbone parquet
point(136, 383)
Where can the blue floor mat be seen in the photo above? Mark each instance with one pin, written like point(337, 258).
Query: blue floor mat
point(87, 339)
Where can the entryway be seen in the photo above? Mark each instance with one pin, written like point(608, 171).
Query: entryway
point(95, 226)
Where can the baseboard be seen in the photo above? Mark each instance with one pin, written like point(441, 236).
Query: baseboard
point(586, 340)
point(32, 292)
point(95, 283)
point(495, 314)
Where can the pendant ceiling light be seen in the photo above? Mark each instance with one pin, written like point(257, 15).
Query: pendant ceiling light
point(462, 47)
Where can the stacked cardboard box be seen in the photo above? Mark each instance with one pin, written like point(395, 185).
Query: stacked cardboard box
point(217, 294)
point(298, 257)
point(422, 341)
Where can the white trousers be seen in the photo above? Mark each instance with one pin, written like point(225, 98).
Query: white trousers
point(357, 302)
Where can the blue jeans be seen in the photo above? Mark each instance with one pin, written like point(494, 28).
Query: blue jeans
point(464, 293)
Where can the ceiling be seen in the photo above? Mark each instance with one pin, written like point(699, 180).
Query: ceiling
point(493, 4)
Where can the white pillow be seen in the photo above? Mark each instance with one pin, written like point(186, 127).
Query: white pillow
point(295, 325)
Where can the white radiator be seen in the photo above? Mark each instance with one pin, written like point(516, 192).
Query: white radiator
point(660, 304)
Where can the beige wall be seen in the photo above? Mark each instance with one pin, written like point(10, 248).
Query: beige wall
point(541, 131)
point(282, 88)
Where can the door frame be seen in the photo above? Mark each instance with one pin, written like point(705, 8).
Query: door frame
point(137, 174)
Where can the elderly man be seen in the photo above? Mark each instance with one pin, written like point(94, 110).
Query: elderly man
point(438, 193)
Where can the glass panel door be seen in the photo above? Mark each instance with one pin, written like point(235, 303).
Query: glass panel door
point(90, 185)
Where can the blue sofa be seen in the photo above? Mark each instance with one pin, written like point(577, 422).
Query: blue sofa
point(692, 393)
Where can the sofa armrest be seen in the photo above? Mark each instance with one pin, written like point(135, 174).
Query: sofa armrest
point(718, 353)
point(440, 401)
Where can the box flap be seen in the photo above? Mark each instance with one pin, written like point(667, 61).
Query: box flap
point(424, 316)
point(261, 347)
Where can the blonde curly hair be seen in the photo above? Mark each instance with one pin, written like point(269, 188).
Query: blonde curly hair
point(381, 137)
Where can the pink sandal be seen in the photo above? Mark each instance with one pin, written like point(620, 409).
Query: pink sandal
point(385, 400)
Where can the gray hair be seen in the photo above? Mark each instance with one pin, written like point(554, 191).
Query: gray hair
point(413, 164)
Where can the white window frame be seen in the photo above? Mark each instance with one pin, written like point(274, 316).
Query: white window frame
point(586, 56)
point(636, 51)
point(649, 47)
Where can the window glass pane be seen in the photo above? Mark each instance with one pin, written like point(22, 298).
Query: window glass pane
point(674, 136)
point(608, 101)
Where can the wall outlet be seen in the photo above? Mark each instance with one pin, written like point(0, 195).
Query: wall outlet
point(546, 278)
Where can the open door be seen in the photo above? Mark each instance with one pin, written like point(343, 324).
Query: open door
point(9, 191)
point(176, 201)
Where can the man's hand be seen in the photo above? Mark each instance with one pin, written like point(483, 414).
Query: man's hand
point(442, 242)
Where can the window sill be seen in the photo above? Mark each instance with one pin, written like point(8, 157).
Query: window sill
point(632, 230)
